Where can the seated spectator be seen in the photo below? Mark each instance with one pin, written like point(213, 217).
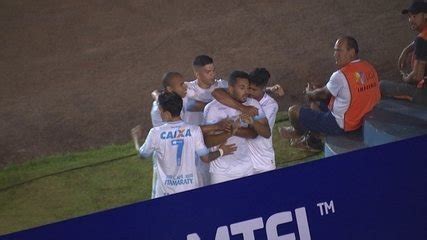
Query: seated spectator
point(353, 91)
point(412, 87)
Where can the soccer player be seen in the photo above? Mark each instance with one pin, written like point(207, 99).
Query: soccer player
point(172, 82)
point(199, 91)
point(239, 163)
point(175, 145)
point(261, 148)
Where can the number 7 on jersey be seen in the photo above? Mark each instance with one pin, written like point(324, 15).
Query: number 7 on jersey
point(180, 144)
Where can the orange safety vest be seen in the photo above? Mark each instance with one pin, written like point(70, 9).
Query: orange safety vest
point(364, 88)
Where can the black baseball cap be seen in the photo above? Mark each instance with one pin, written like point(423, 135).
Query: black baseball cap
point(416, 7)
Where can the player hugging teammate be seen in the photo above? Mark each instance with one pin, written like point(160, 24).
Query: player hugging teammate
point(209, 130)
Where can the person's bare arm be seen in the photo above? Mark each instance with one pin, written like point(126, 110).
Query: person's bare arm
point(195, 106)
point(223, 125)
point(417, 73)
point(246, 132)
point(226, 150)
point(404, 55)
point(228, 129)
point(136, 134)
point(208, 129)
point(155, 94)
point(212, 140)
point(317, 94)
point(261, 126)
point(275, 91)
point(223, 97)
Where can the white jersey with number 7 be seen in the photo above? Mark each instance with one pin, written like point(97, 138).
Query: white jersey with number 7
point(175, 145)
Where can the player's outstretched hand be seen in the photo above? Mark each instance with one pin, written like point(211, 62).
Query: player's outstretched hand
point(228, 149)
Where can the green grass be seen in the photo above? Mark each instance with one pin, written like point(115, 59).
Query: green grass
point(287, 155)
point(71, 193)
point(80, 183)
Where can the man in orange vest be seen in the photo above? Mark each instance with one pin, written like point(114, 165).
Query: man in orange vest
point(353, 91)
point(413, 87)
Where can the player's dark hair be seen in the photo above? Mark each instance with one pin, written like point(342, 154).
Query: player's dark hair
point(170, 102)
point(167, 77)
point(351, 43)
point(259, 77)
point(202, 60)
point(236, 74)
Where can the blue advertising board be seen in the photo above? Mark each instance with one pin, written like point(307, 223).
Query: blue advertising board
point(374, 193)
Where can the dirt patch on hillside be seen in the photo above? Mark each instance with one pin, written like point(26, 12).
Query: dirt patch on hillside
point(77, 74)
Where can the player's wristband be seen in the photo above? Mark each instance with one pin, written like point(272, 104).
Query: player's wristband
point(221, 152)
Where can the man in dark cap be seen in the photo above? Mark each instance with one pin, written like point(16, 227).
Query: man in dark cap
point(413, 87)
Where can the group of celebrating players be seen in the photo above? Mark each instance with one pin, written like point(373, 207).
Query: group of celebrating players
point(209, 130)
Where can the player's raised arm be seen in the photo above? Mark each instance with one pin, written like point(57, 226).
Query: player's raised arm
point(275, 91)
point(147, 149)
point(155, 94)
point(136, 134)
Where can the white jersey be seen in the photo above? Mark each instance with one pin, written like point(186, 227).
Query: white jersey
point(261, 148)
point(239, 162)
point(338, 87)
point(174, 145)
point(195, 92)
point(156, 118)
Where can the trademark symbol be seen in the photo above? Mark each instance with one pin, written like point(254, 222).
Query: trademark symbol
point(326, 208)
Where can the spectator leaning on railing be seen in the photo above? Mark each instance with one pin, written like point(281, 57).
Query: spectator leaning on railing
point(413, 87)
